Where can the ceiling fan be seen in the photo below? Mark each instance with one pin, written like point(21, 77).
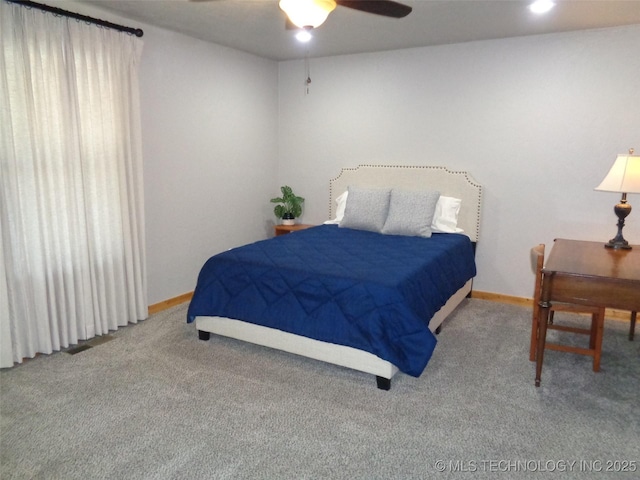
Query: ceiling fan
point(307, 14)
point(312, 13)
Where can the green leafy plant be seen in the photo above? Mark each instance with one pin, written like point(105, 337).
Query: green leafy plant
point(290, 205)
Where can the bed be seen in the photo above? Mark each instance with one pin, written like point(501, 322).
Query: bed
point(353, 297)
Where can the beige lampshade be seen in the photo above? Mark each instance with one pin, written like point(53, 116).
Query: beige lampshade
point(307, 13)
point(624, 176)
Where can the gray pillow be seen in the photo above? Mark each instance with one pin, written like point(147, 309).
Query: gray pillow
point(410, 213)
point(366, 208)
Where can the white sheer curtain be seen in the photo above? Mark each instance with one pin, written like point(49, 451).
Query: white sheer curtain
point(71, 196)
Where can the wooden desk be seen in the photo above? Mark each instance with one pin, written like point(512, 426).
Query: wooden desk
point(587, 273)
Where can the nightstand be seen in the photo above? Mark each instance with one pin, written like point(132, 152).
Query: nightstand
point(284, 229)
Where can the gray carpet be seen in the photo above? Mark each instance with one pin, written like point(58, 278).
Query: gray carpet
point(155, 402)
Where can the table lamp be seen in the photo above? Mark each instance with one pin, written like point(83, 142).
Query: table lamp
point(624, 177)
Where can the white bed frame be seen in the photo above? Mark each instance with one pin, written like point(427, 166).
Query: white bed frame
point(457, 184)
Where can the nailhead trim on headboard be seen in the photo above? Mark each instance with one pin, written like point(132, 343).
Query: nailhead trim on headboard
point(475, 198)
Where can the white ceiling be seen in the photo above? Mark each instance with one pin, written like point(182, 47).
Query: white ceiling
point(258, 26)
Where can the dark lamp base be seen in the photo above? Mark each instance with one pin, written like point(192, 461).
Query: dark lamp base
point(622, 210)
point(624, 245)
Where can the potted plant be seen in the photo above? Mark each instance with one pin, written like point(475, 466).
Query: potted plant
point(290, 206)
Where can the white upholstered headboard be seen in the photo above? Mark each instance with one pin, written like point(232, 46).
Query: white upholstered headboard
point(448, 183)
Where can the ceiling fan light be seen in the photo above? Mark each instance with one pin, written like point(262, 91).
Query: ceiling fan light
point(542, 6)
point(304, 36)
point(307, 13)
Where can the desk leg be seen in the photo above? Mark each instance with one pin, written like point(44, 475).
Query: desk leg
point(543, 318)
point(598, 346)
point(632, 328)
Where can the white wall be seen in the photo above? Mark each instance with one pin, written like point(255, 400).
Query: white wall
point(538, 121)
point(209, 125)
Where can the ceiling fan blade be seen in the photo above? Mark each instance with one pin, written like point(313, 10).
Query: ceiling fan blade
point(386, 8)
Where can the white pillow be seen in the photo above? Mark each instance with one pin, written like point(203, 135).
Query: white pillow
point(410, 213)
point(366, 208)
point(341, 203)
point(445, 219)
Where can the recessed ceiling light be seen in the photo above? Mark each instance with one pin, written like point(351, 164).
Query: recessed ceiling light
point(542, 6)
point(304, 36)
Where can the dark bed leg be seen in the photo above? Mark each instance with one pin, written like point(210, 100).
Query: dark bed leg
point(383, 383)
point(438, 329)
point(202, 335)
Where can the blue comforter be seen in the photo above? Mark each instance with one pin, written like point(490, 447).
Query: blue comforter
point(350, 287)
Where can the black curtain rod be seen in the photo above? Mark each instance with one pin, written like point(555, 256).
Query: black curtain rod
point(65, 13)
